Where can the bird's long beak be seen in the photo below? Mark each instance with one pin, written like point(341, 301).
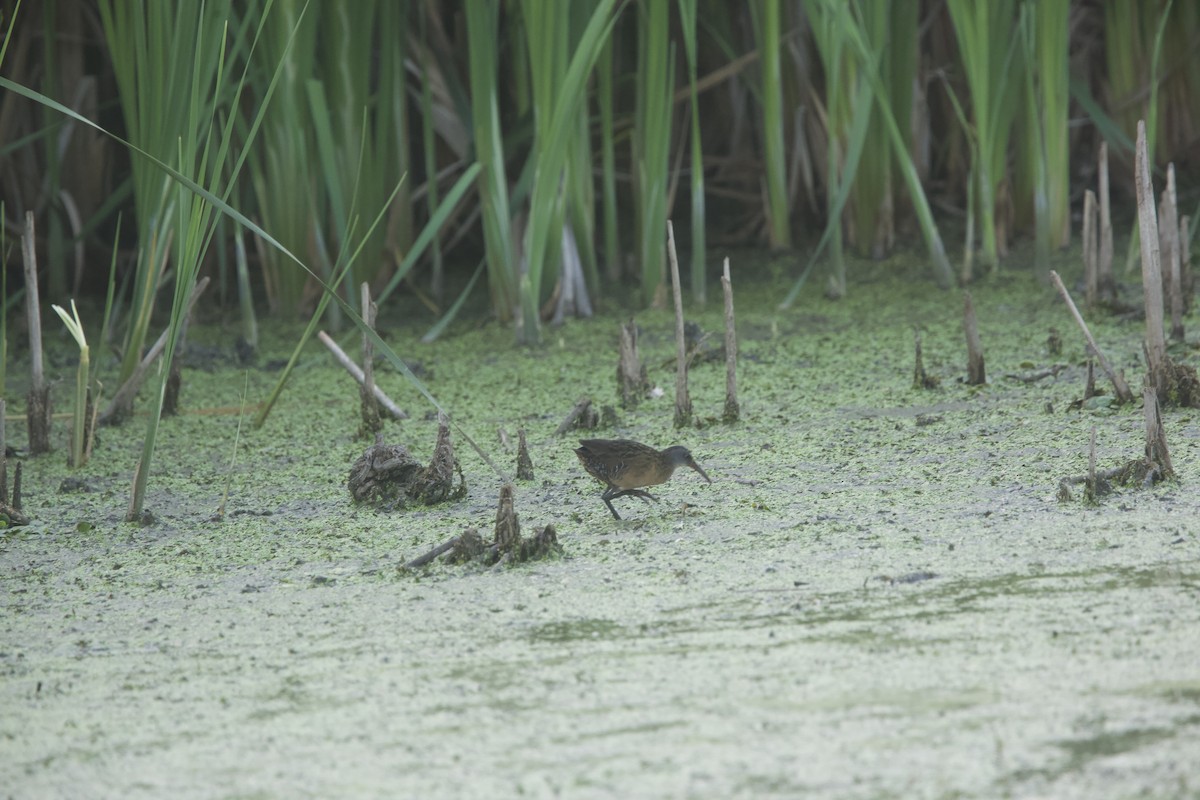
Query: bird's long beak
point(692, 463)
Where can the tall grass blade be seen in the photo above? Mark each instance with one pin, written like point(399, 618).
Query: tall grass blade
point(770, 34)
point(688, 24)
point(222, 205)
point(281, 165)
point(553, 139)
point(651, 143)
point(438, 327)
point(987, 43)
point(1052, 45)
point(608, 161)
point(482, 20)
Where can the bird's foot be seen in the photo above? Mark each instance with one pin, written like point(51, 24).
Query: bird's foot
point(634, 493)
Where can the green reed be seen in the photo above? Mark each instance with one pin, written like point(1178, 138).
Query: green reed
point(558, 102)
point(770, 31)
point(688, 23)
point(1041, 172)
point(651, 143)
point(482, 21)
point(608, 161)
point(157, 65)
point(282, 165)
point(987, 45)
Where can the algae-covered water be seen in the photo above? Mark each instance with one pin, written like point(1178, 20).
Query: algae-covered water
point(879, 596)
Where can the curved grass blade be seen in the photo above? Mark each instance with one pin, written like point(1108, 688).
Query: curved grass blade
point(436, 331)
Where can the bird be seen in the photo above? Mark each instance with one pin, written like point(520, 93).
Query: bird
point(624, 466)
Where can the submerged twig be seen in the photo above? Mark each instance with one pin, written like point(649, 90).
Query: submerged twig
point(444, 547)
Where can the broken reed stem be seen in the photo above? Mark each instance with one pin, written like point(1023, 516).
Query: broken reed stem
point(1092, 457)
point(1090, 268)
point(1169, 233)
point(919, 361)
point(340, 356)
point(1090, 483)
point(631, 375)
point(121, 406)
point(368, 404)
point(170, 404)
point(969, 237)
point(1105, 250)
point(921, 379)
point(1185, 261)
point(683, 403)
point(976, 374)
point(37, 408)
point(732, 409)
point(1119, 385)
point(524, 462)
point(508, 527)
point(1152, 289)
point(1157, 454)
point(32, 304)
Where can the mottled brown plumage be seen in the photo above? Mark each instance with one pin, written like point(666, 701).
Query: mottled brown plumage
point(624, 466)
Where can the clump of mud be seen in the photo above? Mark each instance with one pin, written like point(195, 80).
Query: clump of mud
point(508, 546)
point(388, 475)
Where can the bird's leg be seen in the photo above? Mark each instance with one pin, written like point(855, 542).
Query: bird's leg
point(607, 498)
point(642, 493)
point(608, 503)
point(612, 493)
